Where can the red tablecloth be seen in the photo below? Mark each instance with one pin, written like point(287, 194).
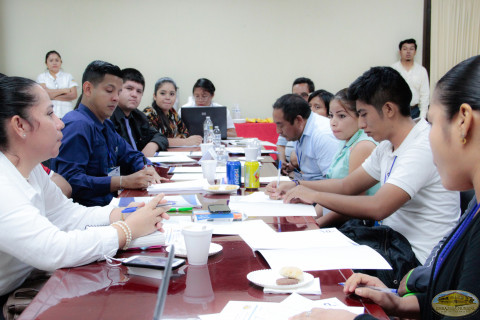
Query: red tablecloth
point(262, 131)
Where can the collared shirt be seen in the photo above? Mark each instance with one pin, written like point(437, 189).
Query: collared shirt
point(341, 161)
point(175, 128)
point(316, 148)
point(432, 211)
point(89, 148)
point(289, 146)
point(142, 132)
point(63, 80)
point(417, 80)
point(40, 228)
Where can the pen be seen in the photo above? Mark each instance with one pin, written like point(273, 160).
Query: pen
point(386, 290)
point(145, 163)
point(279, 169)
point(180, 209)
point(133, 209)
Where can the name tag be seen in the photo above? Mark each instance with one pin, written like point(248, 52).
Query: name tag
point(114, 171)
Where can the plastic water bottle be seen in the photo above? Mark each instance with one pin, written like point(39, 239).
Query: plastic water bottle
point(222, 155)
point(207, 130)
point(236, 112)
point(217, 137)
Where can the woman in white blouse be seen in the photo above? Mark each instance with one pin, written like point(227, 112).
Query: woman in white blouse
point(39, 227)
point(60, 86)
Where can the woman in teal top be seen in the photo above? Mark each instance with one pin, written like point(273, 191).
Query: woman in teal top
point(358, 146)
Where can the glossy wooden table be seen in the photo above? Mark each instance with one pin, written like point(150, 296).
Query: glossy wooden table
point(99, 291)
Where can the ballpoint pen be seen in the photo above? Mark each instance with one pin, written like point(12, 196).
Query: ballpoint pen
point(386, 290)
point(279, 170)
point(133, 209)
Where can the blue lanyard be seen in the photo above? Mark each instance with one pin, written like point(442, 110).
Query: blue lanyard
point(387, 175)
point(453, 240)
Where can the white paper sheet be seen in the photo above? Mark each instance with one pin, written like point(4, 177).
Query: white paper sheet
point(237, 227)
point(259, 205)
point(180, 201)
point(184, 186)
point(297, 240)
point(172, 159)
point(326, 258)
point(172, 153)
point(296, 304)
point(198, 169)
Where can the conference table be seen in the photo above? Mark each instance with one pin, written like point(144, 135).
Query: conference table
point(101, 291)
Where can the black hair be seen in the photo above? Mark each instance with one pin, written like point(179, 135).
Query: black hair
point(52, 52)
point(16, 98)
point(410, 41)
point(460, 85)
point(311, 86)
point(160, 114)
point(342, 97)
point(131, 74)
point(324, 95)
point(96, 71)
point(2, 75)
point(205, 84)
point(380, 85)
point(292, 105)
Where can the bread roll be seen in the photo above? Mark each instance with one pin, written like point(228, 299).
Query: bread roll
point(292, 272)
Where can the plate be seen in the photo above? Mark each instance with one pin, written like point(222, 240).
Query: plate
point(243, 158)
point(267, 278)
point(181, 251)
point(221, 188)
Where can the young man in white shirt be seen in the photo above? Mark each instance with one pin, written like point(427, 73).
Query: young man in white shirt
point(416, 77)
point(411, 200)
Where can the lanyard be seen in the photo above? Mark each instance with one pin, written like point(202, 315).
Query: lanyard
point(453, 240)
point(387, 175)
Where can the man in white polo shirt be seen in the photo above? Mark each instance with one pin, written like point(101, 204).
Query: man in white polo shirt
point(411, 200)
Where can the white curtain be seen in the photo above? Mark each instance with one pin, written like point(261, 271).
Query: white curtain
point(455, 35)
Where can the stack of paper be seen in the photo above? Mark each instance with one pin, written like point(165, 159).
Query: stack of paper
point(172, 159)
point(258, 204)
point(185, 186)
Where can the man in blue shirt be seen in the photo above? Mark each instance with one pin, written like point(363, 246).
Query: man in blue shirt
point(94, 159)
point(315, 143)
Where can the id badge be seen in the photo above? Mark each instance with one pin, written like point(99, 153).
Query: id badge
point(114, 171)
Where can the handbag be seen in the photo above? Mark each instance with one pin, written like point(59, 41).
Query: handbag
point(20, 298)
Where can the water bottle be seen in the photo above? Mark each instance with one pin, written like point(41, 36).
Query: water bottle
point(217, 137)
point(236, 112)
point(222, 155)
point(207, 130)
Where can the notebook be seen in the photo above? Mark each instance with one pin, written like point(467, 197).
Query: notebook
point(162, 290)
point(193, 117)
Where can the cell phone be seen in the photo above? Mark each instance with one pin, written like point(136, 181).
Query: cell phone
point(219, 208)
point(153, 262)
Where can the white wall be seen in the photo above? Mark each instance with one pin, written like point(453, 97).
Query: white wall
point(252, 50)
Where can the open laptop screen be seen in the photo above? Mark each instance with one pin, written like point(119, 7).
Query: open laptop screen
point(193, 117)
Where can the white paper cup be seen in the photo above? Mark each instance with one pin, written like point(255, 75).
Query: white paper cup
point(251, 154)
point(197, 241)
point(209, 168)
point(205, 147)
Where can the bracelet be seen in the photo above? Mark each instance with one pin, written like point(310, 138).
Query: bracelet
point(128, 232)
point(120, 187)
point(297, 183)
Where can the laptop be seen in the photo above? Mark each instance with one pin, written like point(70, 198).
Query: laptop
point(193, 117)
point(162, 290)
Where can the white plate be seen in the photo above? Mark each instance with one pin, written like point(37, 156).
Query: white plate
point(243, 158)
point(221, 188)
point(181, 251)
point(267, 278)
